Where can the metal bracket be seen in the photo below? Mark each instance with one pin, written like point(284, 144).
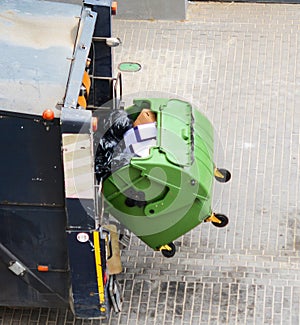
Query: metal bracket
point(17, 268)
point(83, 44)
point(217, 173)
point(165, 247)
point(212, 218)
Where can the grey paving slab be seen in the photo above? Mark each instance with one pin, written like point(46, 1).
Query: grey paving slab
point(240, 64)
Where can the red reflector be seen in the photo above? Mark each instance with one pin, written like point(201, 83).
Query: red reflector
point(114, 7)
point(105, 278)
point(94, 124)
point(48, 115)
point(43, 268)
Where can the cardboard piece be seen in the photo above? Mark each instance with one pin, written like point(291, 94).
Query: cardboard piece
point(145, 116)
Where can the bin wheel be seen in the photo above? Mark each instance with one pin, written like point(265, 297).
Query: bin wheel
point(224, 220)
point(222, 175)
point(169, 252)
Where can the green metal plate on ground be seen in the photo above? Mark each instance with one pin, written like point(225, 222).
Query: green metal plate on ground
point(129, 67)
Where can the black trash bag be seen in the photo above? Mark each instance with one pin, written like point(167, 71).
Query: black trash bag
point(109, 152)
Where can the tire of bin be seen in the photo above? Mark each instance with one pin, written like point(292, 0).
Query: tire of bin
point(227, 176)
point(224, 221)
point(171, 253)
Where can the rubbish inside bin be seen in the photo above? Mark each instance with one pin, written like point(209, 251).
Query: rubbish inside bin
point(109, 153)
point(140, 139)
point(146, 116)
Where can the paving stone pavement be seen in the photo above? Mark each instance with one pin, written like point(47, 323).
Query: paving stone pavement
point(240, 64)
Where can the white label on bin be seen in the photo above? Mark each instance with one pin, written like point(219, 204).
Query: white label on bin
point(83, 237)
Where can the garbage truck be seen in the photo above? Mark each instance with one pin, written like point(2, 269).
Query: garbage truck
point(54, 252)
point(73, 155)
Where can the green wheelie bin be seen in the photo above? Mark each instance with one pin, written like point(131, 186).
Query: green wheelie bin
point(165, 189)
